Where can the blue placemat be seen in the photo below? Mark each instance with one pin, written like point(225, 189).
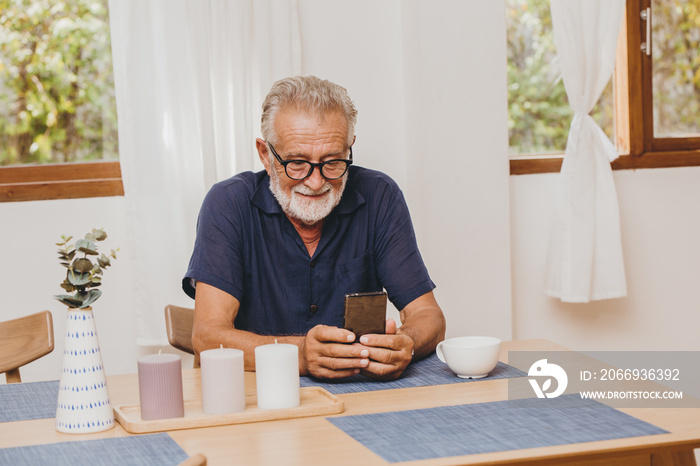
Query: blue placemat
point(428, 371)
point(146, 450)
point(489, 427)
point(27, 401)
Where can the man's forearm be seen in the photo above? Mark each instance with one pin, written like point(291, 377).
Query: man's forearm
point(215, 336)
point(426, 329)
point(423, 321)
point(215, 310)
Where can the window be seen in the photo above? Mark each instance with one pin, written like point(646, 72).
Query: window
point(651, 108)
point(58, 121)
point(539, 113)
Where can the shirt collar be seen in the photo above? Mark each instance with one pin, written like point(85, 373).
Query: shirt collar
point(265, 200)
point(263, 197)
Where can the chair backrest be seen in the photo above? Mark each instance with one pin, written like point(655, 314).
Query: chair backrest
point(24, 340)
point(178, 325)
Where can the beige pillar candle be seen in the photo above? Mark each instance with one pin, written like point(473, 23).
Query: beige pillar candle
point(223, 383)
point(160, 386)
point(277, 376)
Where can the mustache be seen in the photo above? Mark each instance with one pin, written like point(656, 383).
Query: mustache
point(305, 190)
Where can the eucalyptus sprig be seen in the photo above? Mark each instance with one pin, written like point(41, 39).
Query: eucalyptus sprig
point(83, 275)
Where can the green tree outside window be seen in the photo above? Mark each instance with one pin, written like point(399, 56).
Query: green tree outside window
point(56, 84)
point(539, 115)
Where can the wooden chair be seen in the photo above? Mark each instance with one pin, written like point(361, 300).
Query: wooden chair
point(178, 325)
point(24, 340)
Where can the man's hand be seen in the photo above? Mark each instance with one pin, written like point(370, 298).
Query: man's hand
point(327, 352)
point(389, 354)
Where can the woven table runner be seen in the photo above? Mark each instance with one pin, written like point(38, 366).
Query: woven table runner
point(28, 401)
point(428, 371)
point(141, 450)
point(488, 427)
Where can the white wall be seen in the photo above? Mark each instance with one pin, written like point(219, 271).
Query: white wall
point(660, 222)
point(457, 101)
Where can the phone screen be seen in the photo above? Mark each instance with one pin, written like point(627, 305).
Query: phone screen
point(365, 312)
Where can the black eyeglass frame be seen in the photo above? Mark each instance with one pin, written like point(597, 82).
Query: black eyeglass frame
point(320, 165)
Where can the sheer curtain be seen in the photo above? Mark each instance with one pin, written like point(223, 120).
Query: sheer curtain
point(585, 257)
point(190, 77)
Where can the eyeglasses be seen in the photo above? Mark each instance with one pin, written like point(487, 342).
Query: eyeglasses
point(301, 169)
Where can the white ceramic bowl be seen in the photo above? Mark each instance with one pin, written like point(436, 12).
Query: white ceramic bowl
point(469, 357)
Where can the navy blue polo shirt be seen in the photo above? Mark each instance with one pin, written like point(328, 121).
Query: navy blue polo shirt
point(247, 247)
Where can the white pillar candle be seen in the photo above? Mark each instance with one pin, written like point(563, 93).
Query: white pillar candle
point(277, 376)
point(223, 383)
point(160, 386)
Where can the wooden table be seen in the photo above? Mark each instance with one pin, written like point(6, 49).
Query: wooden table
point(311, 441)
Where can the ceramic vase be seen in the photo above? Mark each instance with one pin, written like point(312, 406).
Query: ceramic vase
point(83, 400)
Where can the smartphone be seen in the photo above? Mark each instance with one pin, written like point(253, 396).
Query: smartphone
point(365, 312)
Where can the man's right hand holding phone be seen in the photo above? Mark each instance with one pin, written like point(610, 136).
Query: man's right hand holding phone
point(389, 354)
point(329, 352)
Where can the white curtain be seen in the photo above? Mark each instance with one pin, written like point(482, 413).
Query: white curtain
point(585, 257)
point(190, 77)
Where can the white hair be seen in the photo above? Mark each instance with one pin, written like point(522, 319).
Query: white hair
point(310, 94)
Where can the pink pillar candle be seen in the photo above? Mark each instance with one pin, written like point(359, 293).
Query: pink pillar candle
point(277, 376)
point(160, 387)
point(223, 383)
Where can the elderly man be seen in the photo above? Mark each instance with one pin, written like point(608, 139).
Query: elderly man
point(277, 251)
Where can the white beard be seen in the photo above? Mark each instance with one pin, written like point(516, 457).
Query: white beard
point(299, 207)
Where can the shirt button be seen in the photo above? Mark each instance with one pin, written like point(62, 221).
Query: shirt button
point(312, 263)
point(313, 308)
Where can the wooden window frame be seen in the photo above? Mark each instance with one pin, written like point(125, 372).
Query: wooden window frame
point(33, 182)
point(60, 181)
point(633, 99)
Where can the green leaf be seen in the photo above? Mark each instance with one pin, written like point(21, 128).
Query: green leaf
point(78, 279)
point(100, 234)
point(85, 244)
point(91, 298)
point(66, 256)
point(104, 261)
point(69, 300)
point(67, 286)
point(82, 265)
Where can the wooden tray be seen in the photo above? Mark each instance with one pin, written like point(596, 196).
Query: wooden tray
point(315, 401)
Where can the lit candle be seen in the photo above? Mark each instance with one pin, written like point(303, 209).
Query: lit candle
point(160, 387)
point(277, 376)
point(223, 383)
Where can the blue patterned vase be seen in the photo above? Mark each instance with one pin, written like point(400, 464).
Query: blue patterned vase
point(83, 400)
